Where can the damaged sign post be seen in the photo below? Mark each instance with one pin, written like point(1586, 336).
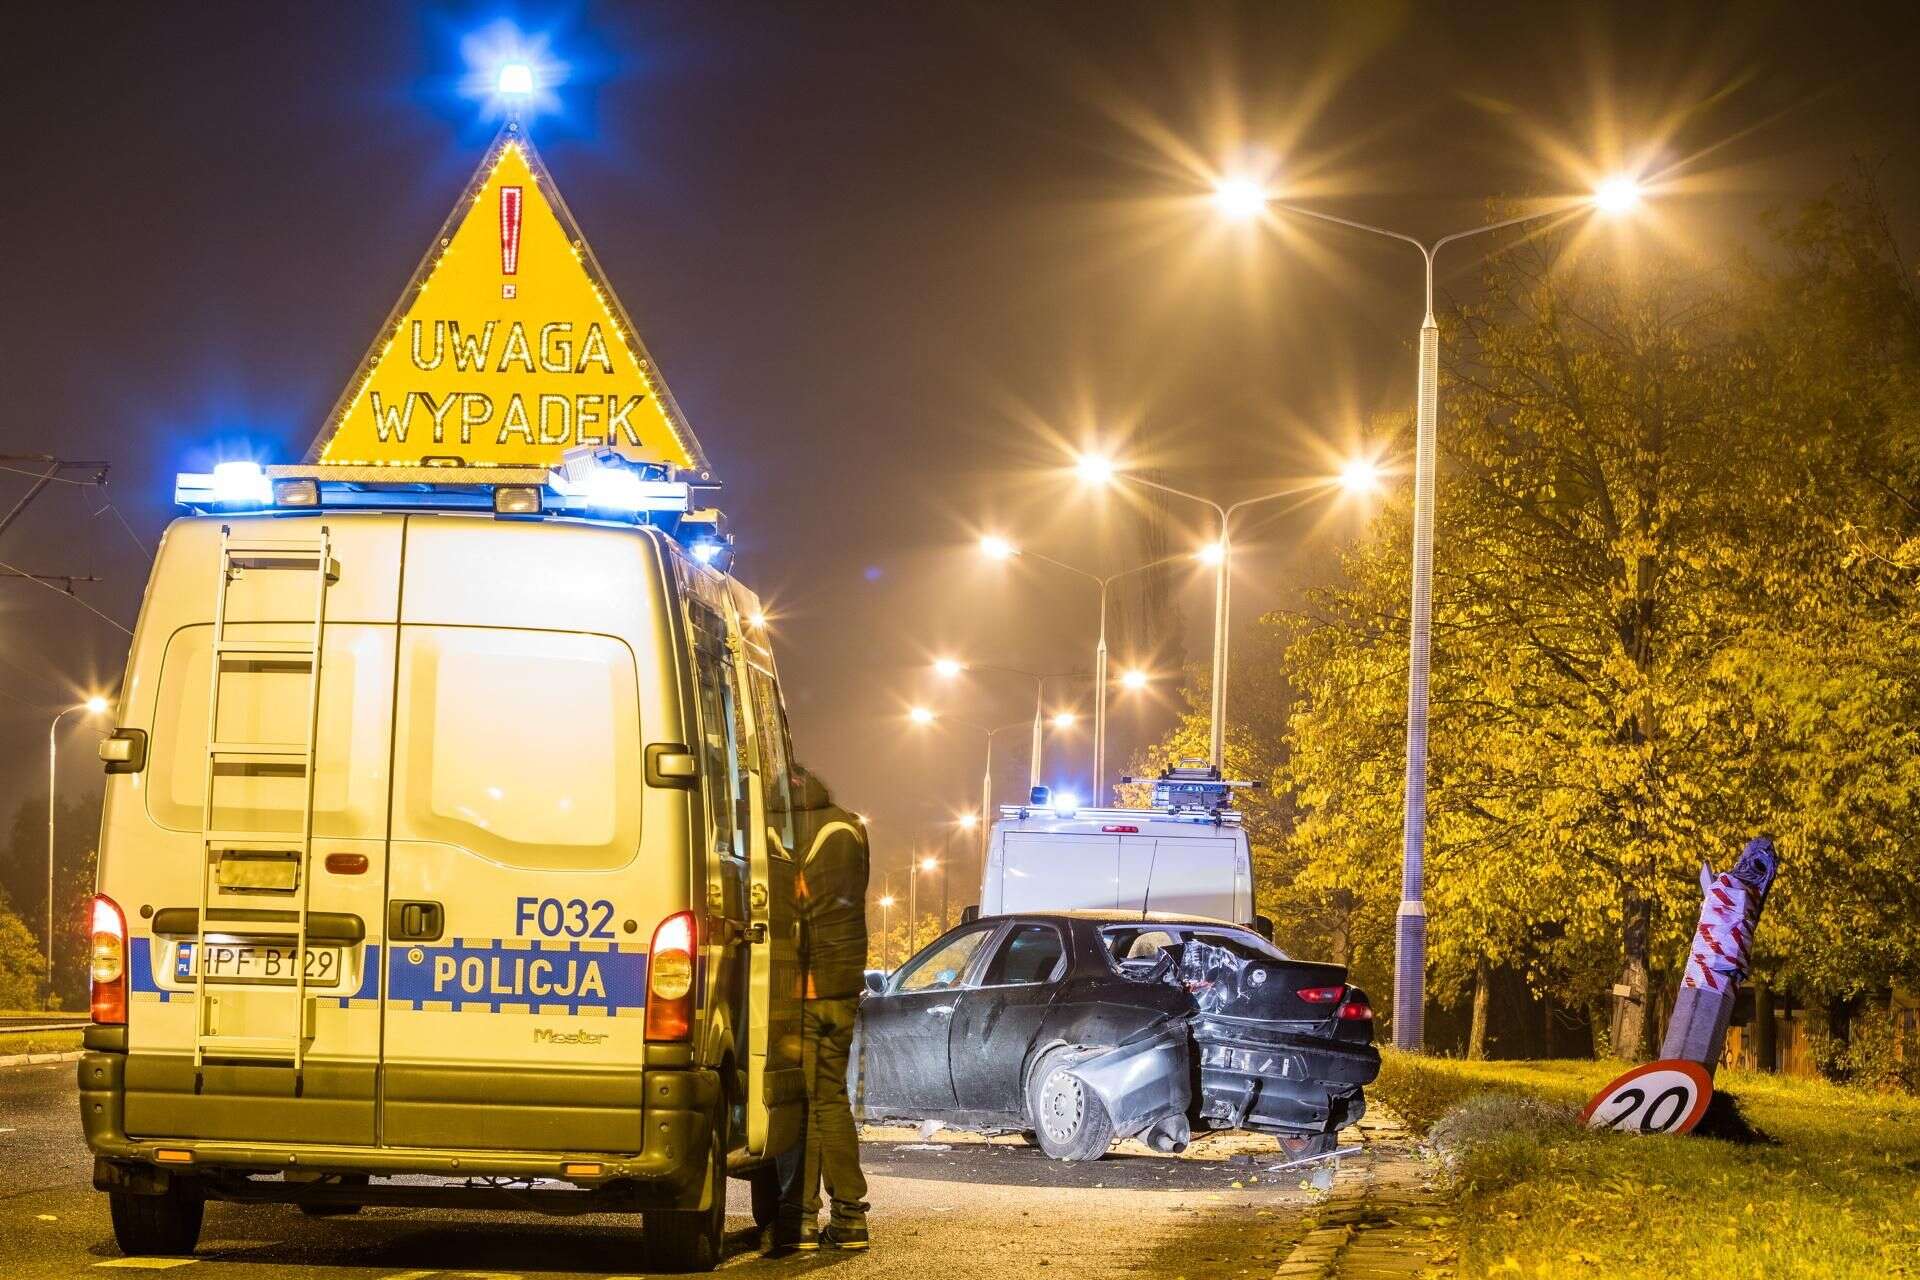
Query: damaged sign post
point(1671, 1095)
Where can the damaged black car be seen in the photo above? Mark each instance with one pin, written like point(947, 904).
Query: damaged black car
point(1077, 1028)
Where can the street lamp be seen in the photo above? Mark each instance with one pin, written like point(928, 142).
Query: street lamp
point(967, 821)
point(93, 706)
point(951, 668)
point(1242, 200)
point(1218, 554)
point(927, 863)
point(886, 933)
point(1093, 469)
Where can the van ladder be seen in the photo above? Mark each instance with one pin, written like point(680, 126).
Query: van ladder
point(312, 556)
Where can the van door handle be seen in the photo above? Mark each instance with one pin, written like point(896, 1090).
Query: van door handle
point(415, 921)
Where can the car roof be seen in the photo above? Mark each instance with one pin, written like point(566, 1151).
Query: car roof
point(1120, 917)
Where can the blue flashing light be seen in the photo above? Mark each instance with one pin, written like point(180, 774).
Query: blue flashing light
point(241, 484)
point(706, 551)
point(1065, 804)
point(516, 80)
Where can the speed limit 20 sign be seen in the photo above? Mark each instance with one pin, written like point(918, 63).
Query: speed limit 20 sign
point(1657, 1097)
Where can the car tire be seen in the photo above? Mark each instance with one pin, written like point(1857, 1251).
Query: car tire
point(764, 1183)
point(683, 1240)
point(1068, 1119)
point(166, 1225)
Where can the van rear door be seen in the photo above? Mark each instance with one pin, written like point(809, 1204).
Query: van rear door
point(1059, 871)
point(153, 852)
point(1198, 875)
point(519, 906)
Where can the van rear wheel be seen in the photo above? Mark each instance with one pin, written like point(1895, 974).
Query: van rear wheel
point(693, 1239)
point(163, 1225)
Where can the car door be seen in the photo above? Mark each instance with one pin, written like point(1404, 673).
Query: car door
point(904, 1032)
point(998, 1016)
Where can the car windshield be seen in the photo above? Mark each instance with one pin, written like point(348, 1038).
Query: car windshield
point(1135, 949)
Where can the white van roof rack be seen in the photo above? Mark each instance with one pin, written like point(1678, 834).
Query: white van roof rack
point(590, 484)
point(1121, 817)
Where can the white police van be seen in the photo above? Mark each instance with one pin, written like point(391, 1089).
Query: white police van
point(446, 859)
point(1185, 855)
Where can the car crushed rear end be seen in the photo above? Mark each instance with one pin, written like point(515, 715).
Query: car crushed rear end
point(1281, 1046)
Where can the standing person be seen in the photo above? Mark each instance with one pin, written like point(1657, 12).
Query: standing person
point(832, 887)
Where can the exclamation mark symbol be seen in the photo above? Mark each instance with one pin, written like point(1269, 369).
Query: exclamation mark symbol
point(509, 237)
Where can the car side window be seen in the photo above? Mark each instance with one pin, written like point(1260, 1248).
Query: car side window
point(1032, 953)
point(942, 967)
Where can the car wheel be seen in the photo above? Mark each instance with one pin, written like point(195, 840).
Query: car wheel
point(1068, 1118)
point(682, 1240)
point(166, 1224)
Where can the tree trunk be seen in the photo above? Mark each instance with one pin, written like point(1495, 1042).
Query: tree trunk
point(1765, 1050)
point(1633, 1002)
point(1477, 1035)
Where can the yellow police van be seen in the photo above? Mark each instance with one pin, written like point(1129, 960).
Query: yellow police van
point(447, 856)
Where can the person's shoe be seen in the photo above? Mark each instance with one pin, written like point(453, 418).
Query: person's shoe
point(840, 1235)
point(791, 1236)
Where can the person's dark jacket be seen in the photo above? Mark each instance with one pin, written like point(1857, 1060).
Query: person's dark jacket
point(832, 887)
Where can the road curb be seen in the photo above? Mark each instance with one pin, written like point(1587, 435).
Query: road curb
point(39, 1059)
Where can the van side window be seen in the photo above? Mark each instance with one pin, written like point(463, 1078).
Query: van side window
point(776, 769)
point(520, 746)
point(721, 745)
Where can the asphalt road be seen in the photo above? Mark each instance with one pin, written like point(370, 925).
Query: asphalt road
point(942, 1208)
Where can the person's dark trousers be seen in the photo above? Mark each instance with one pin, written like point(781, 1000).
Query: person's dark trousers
point(830, 1149)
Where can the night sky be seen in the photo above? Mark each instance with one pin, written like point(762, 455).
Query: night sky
point(895, 261)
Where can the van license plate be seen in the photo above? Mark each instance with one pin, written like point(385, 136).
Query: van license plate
point(253, 962)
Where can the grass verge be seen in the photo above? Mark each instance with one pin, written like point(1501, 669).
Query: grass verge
point(12, 1042)
point(1836, 1192)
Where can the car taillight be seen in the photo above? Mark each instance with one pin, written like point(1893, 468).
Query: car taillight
point(1321, 995)
point(107, 969)
point(1356, 1011)
point(670, 979)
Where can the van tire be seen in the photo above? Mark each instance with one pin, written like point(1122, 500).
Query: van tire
point(164, 1225)
point(764, 1183)
point(682, 1240)
point(1069, 1120)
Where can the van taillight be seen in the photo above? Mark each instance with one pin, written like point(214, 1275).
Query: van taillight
point(107, 971)
point(670, 979)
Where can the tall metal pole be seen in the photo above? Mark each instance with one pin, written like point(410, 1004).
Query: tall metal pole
point(1100, 704)
point(913, 907)
point(886, 933)
point(1039, 708)
point(1410, 949)
point(1221, 604)
point(53, 777)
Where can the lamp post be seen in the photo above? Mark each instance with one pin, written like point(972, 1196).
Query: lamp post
point(925, 716)
point(927, 863)
point(886, 932)
point(970, 822)
point(1097, 470)
point(92, 706)
point(950, 668)
point(1241, 199)
point(1001, 549)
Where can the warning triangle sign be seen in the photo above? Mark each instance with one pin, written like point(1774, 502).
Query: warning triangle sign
point(508, 346)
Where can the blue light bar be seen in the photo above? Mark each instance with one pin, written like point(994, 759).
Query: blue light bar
point(602, 488)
